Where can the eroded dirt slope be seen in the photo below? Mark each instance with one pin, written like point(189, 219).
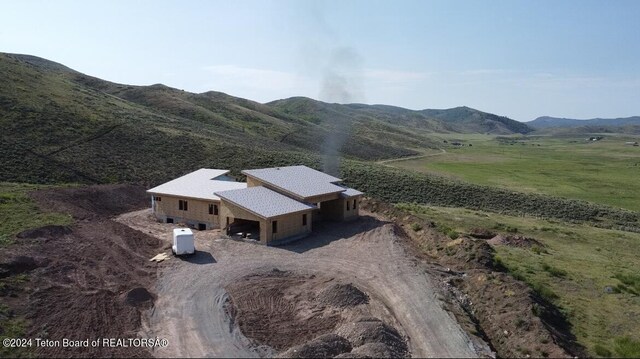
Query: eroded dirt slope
point(86, 281)
point(487, 300)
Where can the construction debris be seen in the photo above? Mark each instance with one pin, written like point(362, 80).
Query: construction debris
point(159, 257)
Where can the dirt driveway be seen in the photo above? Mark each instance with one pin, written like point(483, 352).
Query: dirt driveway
point(190, 308)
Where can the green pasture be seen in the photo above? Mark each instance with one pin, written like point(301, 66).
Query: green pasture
point(605, 171)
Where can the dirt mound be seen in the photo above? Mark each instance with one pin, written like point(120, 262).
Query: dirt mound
point(46, 232)
point(502, 310)
point(374, 331)
point(139, 297)
point(343, 295)
point(77, 280)
point(93, 201)
point(375, 350)
point(324, 346)
point(352, 354)
point(17, 265)
point(63, 313)
point(515, 318)
point(463, 253)
point(482, 233)
point(278, 309)
point(303, 316)
point(20, 264)
point(333, 345)
point(275, 272)
point(515, 241)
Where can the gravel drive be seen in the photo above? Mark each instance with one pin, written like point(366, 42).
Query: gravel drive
point(189, 310)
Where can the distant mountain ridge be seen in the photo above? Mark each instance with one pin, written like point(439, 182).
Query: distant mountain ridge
point(478, 121)
point(454, 120)
point(547, 122)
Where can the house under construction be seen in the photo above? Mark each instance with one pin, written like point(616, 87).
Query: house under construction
point(275, 204)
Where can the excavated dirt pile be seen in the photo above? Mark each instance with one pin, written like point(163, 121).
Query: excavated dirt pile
point(485, 299)
point(278, 309)
point(324, 346)
point(18, 264)
point(372, 337)
point(139, 297)
point(44, 233)
point(482, 233)
point(515, 241)
point(307, 316)
point(89, 280)
point(472, 253)
point(343, 295)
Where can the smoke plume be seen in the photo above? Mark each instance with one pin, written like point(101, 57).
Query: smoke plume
point(341, 83)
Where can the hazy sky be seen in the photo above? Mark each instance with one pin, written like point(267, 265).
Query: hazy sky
point(520, 59)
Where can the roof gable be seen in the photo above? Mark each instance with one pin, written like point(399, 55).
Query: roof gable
point(198, 184)
point(350, 192)
point(264, 202)
point(300, 181)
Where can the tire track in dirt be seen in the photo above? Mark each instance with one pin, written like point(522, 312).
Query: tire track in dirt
point(84, 281)
point(190, 309)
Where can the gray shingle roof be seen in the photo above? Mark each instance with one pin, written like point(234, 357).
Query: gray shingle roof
point(263, 201)
point(350, 192)
point(301, 181)
point(198, 184)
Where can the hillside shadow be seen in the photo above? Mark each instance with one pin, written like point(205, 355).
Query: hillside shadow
point(558, 326)
point(199, 257)
point(326, 232)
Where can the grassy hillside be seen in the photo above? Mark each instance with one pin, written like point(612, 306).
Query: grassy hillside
point(456, 120)
point(63, 126)
point(572, 267)
point(20, 213)
point(399, 129)
point(60, 125)
point(467, 120)
point(604, 171)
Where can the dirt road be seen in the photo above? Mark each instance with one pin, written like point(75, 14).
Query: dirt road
point(190, 313)
point(408, 158)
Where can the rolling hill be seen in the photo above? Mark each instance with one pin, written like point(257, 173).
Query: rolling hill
point(467, 120)
point(60, 125)
point(547, 122)
point(455, 120)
